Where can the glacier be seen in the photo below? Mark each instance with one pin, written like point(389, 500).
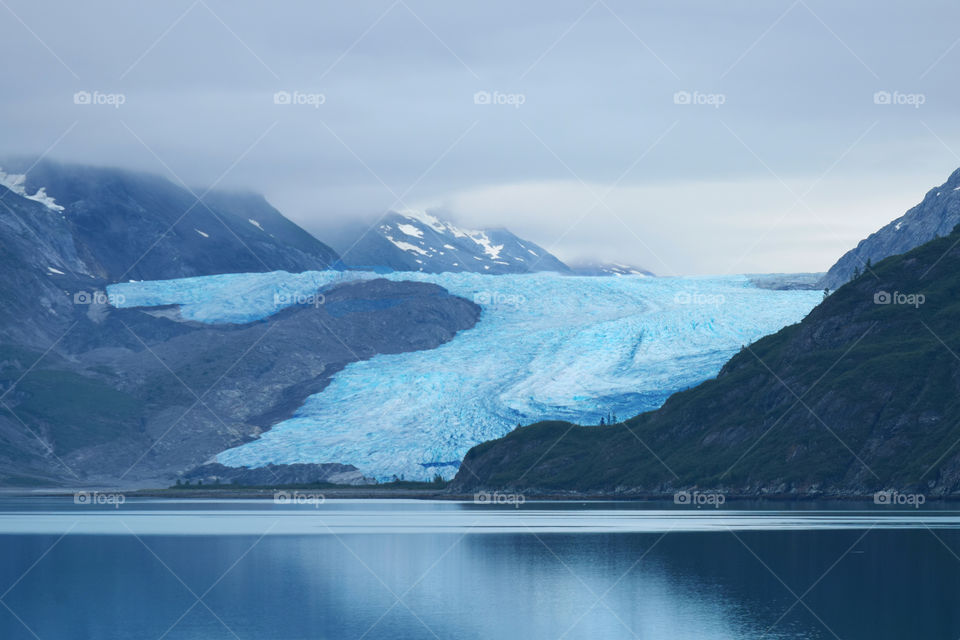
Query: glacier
point(547, 346)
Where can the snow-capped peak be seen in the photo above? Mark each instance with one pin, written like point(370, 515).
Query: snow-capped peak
point(16, 183)
point(478, 236)
point(414, 240)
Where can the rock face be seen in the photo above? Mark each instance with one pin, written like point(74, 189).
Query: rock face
point(136, 397)
point(417, 241)
point(862, 395)
point(936, 216)
point(94, 394)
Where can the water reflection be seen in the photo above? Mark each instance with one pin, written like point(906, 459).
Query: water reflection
point(530, 583)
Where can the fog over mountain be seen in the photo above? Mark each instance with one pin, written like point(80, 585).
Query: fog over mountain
point(602, 132)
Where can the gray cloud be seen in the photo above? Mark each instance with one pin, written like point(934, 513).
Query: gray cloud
point(698, 187)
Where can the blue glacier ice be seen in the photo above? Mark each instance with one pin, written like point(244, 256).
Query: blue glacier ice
point(547, 347)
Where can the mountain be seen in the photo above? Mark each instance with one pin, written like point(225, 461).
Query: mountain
point(935, 216)
point(130, 225)
point(94, 394)
point(418, 241)
point(862, 395)
point(607, 269)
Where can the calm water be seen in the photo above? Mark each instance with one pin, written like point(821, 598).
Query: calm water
point(395, 569)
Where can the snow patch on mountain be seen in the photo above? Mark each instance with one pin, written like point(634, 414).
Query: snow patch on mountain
point(406, 246)
point(488, 247)
point(16, 182)
point(410, 230)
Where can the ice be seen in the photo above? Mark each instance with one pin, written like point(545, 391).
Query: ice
point(547, 346)
point(225, 298)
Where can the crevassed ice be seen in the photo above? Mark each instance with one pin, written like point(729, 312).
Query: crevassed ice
point(546, 347)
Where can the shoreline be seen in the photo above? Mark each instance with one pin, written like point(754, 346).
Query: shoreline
point(480, 497)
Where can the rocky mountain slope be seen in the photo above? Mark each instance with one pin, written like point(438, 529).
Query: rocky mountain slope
point(130, 395)
point(94, 394)
point(129, 225)
point(418, 241)
point(862, 395)
point(935, 216)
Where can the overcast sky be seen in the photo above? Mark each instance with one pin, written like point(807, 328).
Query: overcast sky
point(684, 137)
